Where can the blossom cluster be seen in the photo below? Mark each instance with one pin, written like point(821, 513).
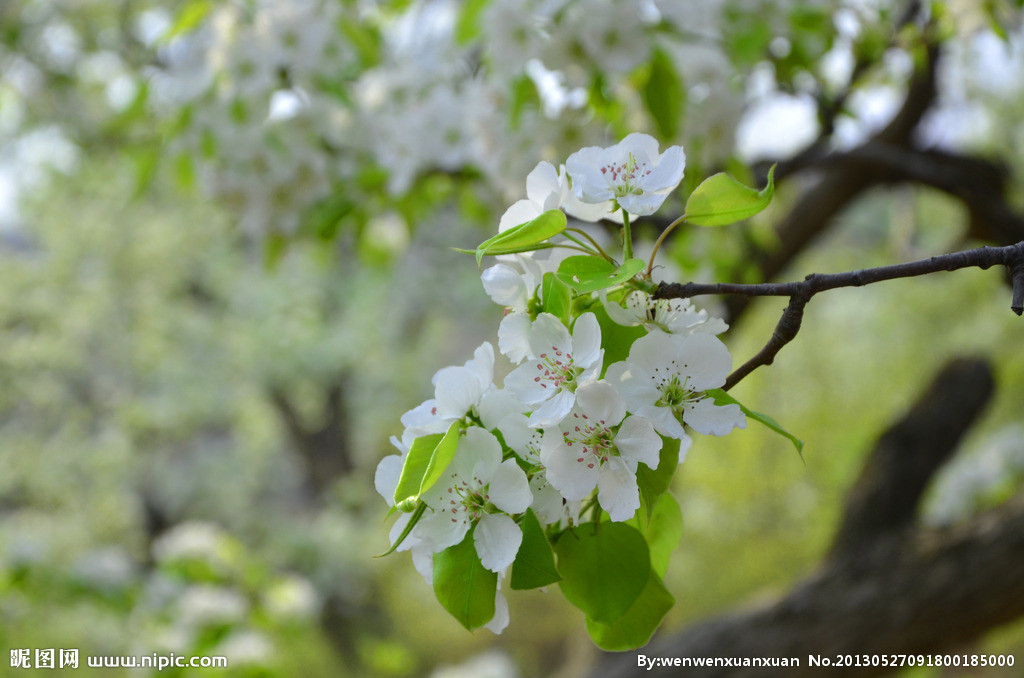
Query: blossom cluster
point(603, 383)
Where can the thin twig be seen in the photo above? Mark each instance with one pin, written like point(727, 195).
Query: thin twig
point(799, 293)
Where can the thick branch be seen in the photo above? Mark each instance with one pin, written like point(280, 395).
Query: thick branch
point(898, 589)
point(1011, 256)
point(885, 497)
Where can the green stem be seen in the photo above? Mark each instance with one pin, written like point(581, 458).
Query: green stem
point(657, 244)
point(592, 242)
point(627, 238)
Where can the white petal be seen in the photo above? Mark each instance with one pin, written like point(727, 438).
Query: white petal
point(573, 479)
point(669, 172)
point(521, 383)
point(548, 504)
point(618, 314)
point(705, 360)
point(478, 455)
point(654, 351)
point(442, 529)
point(482, 366)
point(496, 404)
point(514, 337)
point(586, 340)
point(601, 403)
point(423, 561)
point(638, 442)
point(639, 144)
point(505, 286)
point(542, 186)
point(424, 420)
point(519, 436)
point(385, 479)
point(663, 418)
point(497, 539)
point(501, 618)
point(716, 420)
point(509, 489)
point(553, 410)
point(617, 491)
point(518, 213)
point(456, 390)
point(548, 334)
point(642, 204)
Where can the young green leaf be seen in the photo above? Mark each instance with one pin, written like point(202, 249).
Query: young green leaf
point(587, 274)
point(662, 531)
point(723, 398)
point(534, 565)
point(557, 298)
point(616, 339)
point(442, 455)
point(463, 585)
point(604, 568)
point(638, 624)
point(415, 467)
point(664, 94)
point(416, 515)
point(654, 483)
point(721, 200)
point(523, 237)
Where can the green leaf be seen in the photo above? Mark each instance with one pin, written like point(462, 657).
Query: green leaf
point(416, 515)
point(523, 237)
point(638, 624)
point(604, 568)
point(664, 95)
point(463, 585)
point(723, 398)
point(415, 467)
point(721, 200)
point(467, 28)
point(557, 298)
point(662, 530)
point(654, 483)
point(534, 565)
point(189, 18)
point(586, 274)
point(615, 338)
point(442, 455)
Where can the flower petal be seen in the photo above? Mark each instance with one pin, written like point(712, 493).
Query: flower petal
point(573, 479)
point(586, 341)
point(669, 172)
point(505, 286)
point(514, 337)
point(478, 455)
point(638, 442)
point(501, 618)
point(543, 187)
point(385, 478)
point(617, 492)
point(599, 401)
point(497, 539)
point(509, 489)
point(705, 360)
point(716, 420)
point(553, 411)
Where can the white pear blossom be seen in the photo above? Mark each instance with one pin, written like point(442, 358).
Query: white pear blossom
point(600, 446)
point(631, 172)
point(548, 189)
point(458, 390)
point(675, 316)
point(514, 290)
point(665, 379)
point(558, 363)
point(478, 488)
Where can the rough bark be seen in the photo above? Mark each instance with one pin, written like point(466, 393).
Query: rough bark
point(888, 586)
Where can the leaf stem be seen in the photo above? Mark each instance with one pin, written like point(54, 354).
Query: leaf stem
point(592, 242)
point(627, 237)
point(657, 244)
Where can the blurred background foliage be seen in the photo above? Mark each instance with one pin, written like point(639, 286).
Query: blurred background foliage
point(225, 273)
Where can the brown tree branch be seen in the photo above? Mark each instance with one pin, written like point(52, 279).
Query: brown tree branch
point(799, 293)
point(889, 587)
